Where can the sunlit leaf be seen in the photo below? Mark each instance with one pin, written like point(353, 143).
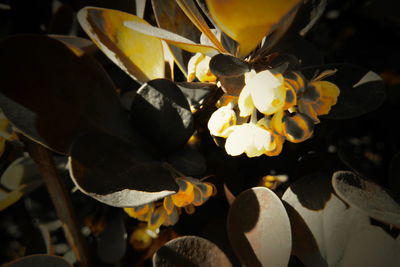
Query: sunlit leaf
point(52, 103)
point(139, 55)
point(361, 91)
point(170, 17)
point(39, 260)
point(171, 38)
point(115, 173)
point(259, 229)
point(140, 6)
point(369, 197)
point(190, 251)
point(190, 9)
point(247, 22)
point(326, 231)
point(21, 171)
point(162, 114)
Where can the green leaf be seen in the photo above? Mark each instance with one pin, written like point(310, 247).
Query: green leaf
point(39, 260)
point(228, 66)
point(161, 113)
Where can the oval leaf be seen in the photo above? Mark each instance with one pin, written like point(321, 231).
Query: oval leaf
point(52, 103)
point(259, 229)
point(190, 251)
point(321, 222)
point(162, 113)
point(228, 66)
point(39, 260)
point(361, 91)
point(117, 174)
point(140, 56)
point(394, 174)
point(77, 44)
point(171, 38)
point(111, 243)
point(367, 196)
point(248, 22)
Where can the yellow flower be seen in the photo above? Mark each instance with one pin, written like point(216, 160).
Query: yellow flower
point(198, 67)
point(222, 119)
point(327, 94)
point(264, 91)
point(248, 138)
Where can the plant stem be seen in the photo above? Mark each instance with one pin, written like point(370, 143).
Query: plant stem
point(61, 200)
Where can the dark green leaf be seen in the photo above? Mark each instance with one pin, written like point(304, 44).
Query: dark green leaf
point(188, 161)
point(223, 65)
point(51, 95)
point(115, 173)
point(161, 113)
point(196, 91)
point(361, 91)
point(394, 174)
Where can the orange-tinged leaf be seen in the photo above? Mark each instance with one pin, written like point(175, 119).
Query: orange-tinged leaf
point(139, 55)
point(247, 22)
point(171, 38)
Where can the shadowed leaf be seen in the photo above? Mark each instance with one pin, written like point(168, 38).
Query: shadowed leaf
point(259, 229)
point(39, 260)
point(111, 245)
point(162, 114)
point(52, 103)
point(115, 173)
point(190, 251)
point(77, 44)
point(367, 196)
point(141, 56)
point(394, 174)
point(228, 66)
point(361, 91)
point(196, 91)
point(188, 161)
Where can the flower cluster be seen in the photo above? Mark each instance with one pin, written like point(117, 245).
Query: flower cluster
point(192, 192)
point(270, 109)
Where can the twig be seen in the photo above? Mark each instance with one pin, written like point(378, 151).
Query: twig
point(61, 200)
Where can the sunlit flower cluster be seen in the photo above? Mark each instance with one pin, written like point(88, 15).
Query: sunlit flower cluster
point(192, 192)
point(270, 109)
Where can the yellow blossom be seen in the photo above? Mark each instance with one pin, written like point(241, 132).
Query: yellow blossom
point(222, 119)
point(248, 138)
point(198, 67)
point(264, 91)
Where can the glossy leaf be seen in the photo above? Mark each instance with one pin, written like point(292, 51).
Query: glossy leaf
point(39, 260)
point(170, 17)
point(161, 113)
point(361, 91)
point(111, 243)
point(196, 91)
point(327, 232)
point(369, 197)
point(248, 22)
point(141, 56)
point(228, 66)
point(53, 103)
point(117, 174)
point(171, 38)
point(190, 251)
point(259, 229)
